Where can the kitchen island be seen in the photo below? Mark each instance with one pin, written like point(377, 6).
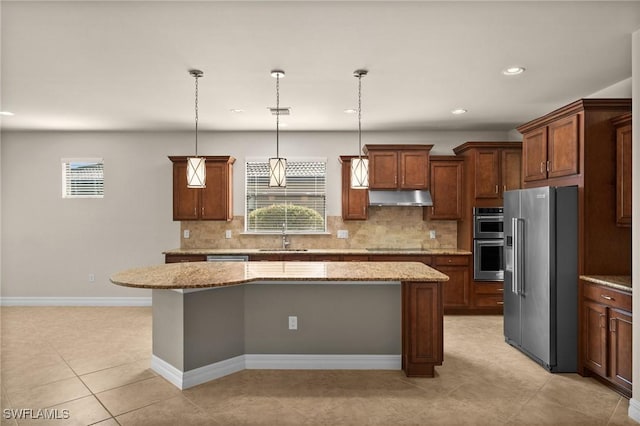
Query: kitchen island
point(211, 319)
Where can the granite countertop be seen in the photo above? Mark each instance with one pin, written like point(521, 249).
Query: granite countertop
point(417, 251)
point(219, 274)
point(619, 282)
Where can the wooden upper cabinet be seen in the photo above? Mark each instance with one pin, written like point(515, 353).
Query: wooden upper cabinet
point(214, 202)
point(534, 154)
point(446, 188)
point(487, 184)
point(398, 166)
point(563, 144)
point(355, 202)
point(622, 125)
point(491, 168)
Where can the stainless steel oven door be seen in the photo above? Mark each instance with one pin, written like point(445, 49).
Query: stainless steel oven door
point(488, 260)
point(488, 226)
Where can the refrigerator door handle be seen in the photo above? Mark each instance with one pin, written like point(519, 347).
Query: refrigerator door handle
point(514, 254)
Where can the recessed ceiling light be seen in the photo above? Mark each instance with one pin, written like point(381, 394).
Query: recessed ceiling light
point(350, 111)
point(236, 110)
point(458, 111)
point(6, 113)
point(513, 71)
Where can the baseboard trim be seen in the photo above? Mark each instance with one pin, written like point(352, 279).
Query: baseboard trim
point(322, 362)
point(634, 409)
point(75, 301)
point(185, 380)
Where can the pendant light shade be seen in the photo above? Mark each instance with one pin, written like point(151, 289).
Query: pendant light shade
point(196, 169)
point(360, 166)
point(360, 173)
point(277, 165)
point(196, 172)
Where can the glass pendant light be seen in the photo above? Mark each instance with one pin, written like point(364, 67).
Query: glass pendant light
point(360, 166)
point(196, 171)
point(277, 165)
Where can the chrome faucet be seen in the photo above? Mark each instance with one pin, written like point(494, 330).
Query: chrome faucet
point(285, 243)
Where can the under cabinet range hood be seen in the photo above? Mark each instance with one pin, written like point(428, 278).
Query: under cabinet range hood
point(379, 197)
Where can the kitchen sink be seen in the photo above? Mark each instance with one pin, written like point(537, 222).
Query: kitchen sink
point(288, 249)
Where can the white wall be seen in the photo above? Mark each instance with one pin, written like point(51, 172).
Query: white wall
point(50, 245)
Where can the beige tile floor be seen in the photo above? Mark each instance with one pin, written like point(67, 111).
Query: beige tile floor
point(94, 363)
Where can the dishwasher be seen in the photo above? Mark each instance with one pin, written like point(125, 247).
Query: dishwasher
point(228, 258)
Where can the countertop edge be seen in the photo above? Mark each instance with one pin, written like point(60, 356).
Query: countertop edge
point(425, 252)
point(618, 282)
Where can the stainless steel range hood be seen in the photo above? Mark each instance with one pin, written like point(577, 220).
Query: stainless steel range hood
point(379, 197)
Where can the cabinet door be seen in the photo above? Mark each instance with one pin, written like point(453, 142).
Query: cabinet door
point(215, 198)
point(354, 201)
point(594, 322)
point(620, 331)
point(511, 168)
point(383, 169)
point(414, 171)
point(623, 181)
point(455, 291)
point(534, 155)
point(563, 145)
point(185, 200)
point(487, 169)
point(446, 190)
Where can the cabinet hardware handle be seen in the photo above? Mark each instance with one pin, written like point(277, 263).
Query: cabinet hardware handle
point(504, 188)
point(500, 290)
point(548, 165)
point(499, 303)
point(395, 179)
point(604, 296)
point(496, 188)
point(541, 167)
point(195, 211)
point(601, 322)
point(612, 327)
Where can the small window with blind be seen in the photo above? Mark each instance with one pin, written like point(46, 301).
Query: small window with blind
point(300, 207)
point(82, 178)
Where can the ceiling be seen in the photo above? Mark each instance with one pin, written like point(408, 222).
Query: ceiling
point(92, 65)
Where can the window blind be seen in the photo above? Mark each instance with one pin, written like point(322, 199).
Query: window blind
point(300, 207)
point(82, 179)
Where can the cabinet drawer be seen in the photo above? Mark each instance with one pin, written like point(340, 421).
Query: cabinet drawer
point(355, 258)
point(488, 288)
point(487, 300)
point(451, 260)
point(177, 258)
point(607, 296)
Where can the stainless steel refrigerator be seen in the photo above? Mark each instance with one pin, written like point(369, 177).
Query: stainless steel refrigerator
point(541, 275)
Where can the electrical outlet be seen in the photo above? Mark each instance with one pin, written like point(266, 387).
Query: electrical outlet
point(293, 323)
point(432, 234)
point(343, 233)
point(185, 233)
point(227, 234)
point(92, 278)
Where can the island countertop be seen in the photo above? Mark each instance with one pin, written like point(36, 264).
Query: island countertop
point(311, 251)
point(219, 274)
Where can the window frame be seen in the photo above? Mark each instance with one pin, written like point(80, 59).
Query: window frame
point(66, 186)
point(290, 179)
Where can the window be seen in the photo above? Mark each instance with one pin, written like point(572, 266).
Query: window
point(300, 207)
point(82, 178)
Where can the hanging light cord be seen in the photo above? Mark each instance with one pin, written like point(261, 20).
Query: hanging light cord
point(278, 115)
point(196, 108)
point(360, 116)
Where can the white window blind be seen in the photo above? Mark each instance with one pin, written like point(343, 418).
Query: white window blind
point(300, 207)
point(82, 178)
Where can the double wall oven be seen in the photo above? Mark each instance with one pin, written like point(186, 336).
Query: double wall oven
point(488, 243)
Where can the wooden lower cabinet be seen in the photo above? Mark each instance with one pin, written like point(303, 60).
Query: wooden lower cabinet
point(456, 291)
point(606, 336)
point(179, 258)
point(422, 330)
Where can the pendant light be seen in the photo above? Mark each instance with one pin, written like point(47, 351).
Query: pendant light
point(360, 166)
point(277, 165)
point(196, 171)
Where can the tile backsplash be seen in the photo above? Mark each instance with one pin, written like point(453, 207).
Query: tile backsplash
point(387, 227)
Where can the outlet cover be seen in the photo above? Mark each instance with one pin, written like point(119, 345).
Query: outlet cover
point(185, 233)
point(293, 323)
point(432, 234)
point(227, 234)
point(343, 233)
